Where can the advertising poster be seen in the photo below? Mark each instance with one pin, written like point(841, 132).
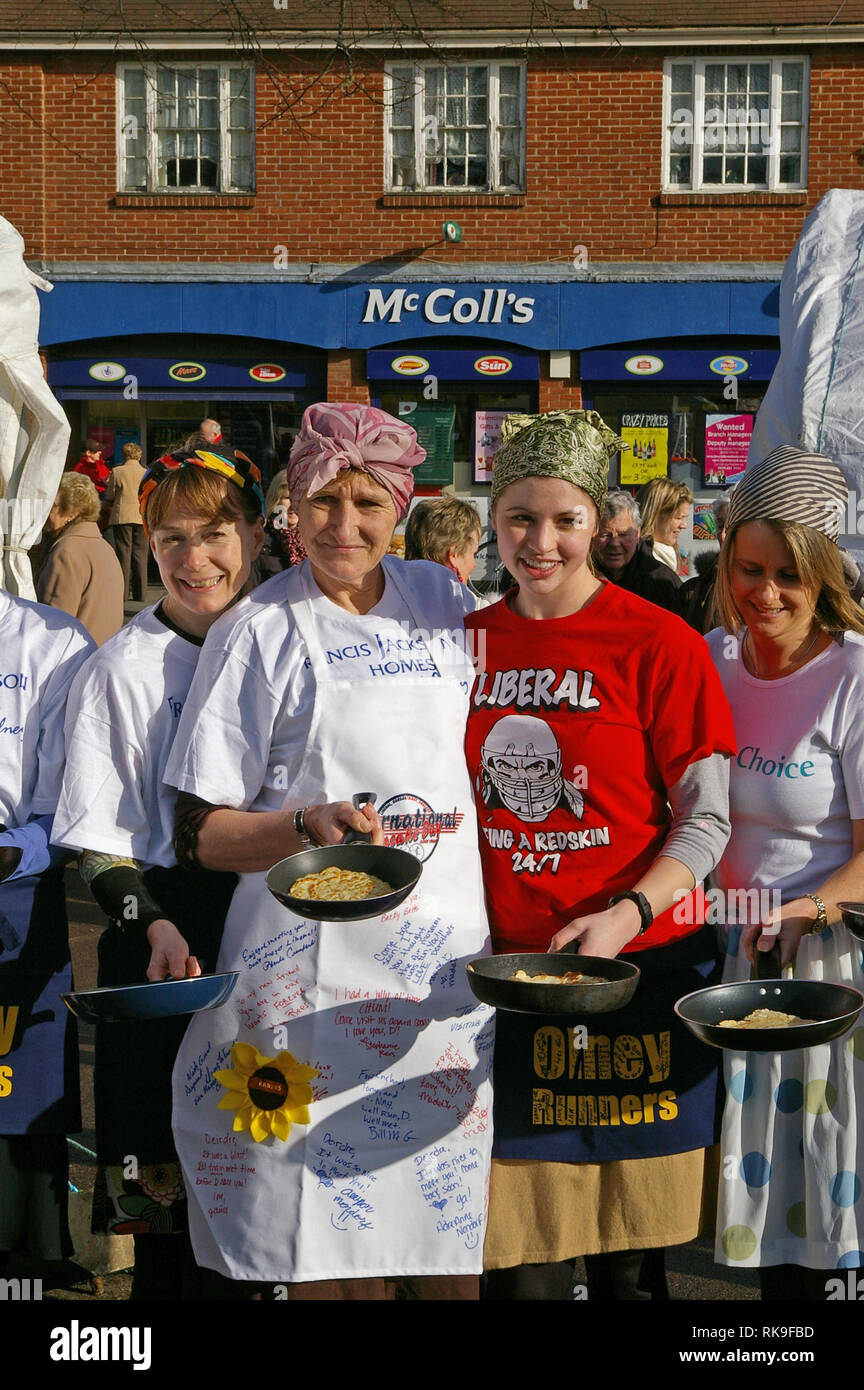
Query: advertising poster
point(727, 443)
point(648, 455)
point(487, 440)
point(704, 525)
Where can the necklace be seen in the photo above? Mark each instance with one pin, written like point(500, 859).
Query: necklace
point(798, 660)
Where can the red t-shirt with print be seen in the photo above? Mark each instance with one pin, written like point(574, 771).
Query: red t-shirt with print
point(578, 725)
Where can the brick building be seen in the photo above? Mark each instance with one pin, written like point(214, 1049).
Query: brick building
point(516, 206)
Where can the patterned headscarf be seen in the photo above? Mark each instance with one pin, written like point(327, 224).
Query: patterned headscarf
point(333, 437)
point(575, 445)
point(791, 484)
point(237, 468)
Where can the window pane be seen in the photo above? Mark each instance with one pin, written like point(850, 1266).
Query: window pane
point(133, 82)
point(681, 77)
point(455, 111)
point(208, 114)
point(135, 175)
point(760, 75)
point(712, 169)
point(509, 81)
point(241, 173)
point(790, 138)
point(477, 110)
point(757, 169)
point(477, 142)
point(208, 82)
point(735, 169)
point(736, 79)
point(454, 143)
point(793, 77)
point(714, 74)
point(791, 106)
point(679, 169)
point(188, 144)
point(508, 111)
point(434, 81)
point(511, 173)
point(457, 79)
point(790, 168)
point(477, 173)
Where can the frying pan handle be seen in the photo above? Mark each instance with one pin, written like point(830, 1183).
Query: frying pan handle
point(359, 837)
point(768, 964)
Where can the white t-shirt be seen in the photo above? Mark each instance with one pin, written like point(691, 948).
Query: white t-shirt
point(242, 738)
point(41, 649)
point(798, 779)
point(121, 719)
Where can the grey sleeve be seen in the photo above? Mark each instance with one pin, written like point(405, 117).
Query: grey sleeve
point(700, 815)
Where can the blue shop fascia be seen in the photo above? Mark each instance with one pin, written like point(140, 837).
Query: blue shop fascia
point(143, 353)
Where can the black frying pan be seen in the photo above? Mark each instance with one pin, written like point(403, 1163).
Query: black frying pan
point(490, 982)
point(394, 866)
point(832, 1008)
point(853, 917)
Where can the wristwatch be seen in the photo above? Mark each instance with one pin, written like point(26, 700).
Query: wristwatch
point(300, 828)
point(645, 913)
point(821, 914)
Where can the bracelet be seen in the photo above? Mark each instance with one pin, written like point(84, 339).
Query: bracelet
point(646, 915)
point(821, 914)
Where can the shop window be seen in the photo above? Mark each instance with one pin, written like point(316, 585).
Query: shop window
point(187, 128)
point(456, 126)
point(735, 126)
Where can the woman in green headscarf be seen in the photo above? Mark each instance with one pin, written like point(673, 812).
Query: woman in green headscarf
point(599, 739)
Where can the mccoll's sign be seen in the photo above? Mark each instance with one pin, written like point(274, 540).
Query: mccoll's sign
point(448, 305)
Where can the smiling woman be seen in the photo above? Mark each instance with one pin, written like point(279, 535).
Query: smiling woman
point(597, 741)
point(203, 512)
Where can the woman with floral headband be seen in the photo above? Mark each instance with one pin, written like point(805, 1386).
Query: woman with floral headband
point(347, 671)
point(598, 740)
point(203, 512)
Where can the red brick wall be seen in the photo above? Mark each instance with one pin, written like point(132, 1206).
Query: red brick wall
point(346, 376)
point(593, 174)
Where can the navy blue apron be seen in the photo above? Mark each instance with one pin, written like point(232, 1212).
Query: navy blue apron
point(643, 1086)
point(39, 1091)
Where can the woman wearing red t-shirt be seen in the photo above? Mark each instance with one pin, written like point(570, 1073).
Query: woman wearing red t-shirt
point(599, 738)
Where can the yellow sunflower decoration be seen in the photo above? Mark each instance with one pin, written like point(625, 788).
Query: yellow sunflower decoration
point(268, 1093)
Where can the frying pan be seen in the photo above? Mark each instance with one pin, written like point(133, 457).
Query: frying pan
point(832, 1009)
point(853, 917)
point(164, 999)
point(394, 866)
point(490, 982)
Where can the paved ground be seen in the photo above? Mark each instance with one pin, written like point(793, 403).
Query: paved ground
point(693, 1276)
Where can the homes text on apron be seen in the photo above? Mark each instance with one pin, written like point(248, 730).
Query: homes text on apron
point(389, 1177)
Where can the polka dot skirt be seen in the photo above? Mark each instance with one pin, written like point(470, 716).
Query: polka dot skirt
point(791, 1171)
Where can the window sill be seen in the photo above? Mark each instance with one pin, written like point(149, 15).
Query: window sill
point(184, 201)
point(449, 198)
point(758, 198)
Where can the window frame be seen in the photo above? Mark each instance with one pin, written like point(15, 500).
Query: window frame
point(772, 183)
point(494, 185)
point(151, 155)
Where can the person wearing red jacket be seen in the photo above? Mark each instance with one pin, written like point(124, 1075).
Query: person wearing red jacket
point(93, 466)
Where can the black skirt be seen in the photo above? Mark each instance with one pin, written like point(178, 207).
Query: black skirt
point(134, 1061)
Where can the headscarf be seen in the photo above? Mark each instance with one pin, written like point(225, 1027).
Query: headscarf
point(333, 437)
point(793, 485)
point(575, 445)
point(237, 468)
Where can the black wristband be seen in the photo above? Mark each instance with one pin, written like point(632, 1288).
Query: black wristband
point(646, 914)
point(122, 894)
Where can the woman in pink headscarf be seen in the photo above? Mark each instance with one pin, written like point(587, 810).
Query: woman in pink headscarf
point(351, 1059)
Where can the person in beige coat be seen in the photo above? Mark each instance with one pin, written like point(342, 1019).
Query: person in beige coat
point(130, 540)
point(81, 574)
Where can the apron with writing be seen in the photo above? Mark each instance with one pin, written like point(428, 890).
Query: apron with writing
point(628, 1084)
point(389, 1177)
point(38, 1039)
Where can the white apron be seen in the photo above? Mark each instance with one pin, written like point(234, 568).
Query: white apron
point(390, 1175)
